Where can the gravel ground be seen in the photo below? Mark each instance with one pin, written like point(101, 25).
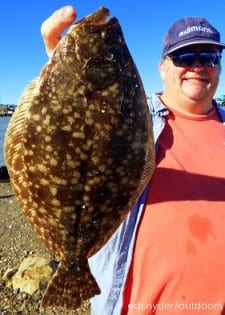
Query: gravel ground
point(17, 240)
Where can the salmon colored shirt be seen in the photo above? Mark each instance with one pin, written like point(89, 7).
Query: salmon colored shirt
point(178, 264)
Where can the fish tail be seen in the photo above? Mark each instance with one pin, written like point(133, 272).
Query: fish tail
point(69, 289)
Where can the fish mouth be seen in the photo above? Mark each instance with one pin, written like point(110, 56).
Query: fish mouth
point(101, 16)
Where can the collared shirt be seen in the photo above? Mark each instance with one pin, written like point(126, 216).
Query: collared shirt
point(111, 264)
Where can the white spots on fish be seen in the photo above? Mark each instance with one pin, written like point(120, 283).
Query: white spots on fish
point(74, 181)
point(47, 138)
point(92, 107)
point(42, 168)
point(56, 107)
point(32, 168)
point(92, 45)
point(67, 110)
point(33, 210)
point(36, 117)
point(77, 115)
point(53, 190)
point(87, 145)
point(38, 128)
point(112, 90)
point(71, 163)
point(49, 148)
point(53, 162)
point(44, 110)
point(86, 198)
point(53, 222)
point(120, 40)
point(69, 210)
point(68, 157)
point(95, 159)
point(56, 212)
point(107, 127)
point(42, 210)
point(70, 119)
point(78, 134)
point(87, 188)
point(55, 202)
point(89, 121)
point(28, 153)
point(59, 180)
point(53, 87)
point(46, 120)
point(103, 34)
point(67, 128)
point(83, 156)
point(44, 182)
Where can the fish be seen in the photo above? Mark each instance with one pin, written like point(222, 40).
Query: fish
point(79, 150)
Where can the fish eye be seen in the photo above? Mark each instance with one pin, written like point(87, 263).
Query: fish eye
point(101, 73)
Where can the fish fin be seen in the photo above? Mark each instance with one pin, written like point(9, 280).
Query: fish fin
point(13, 144)
point(15, 127)
point(69, 289)
point(14, 147)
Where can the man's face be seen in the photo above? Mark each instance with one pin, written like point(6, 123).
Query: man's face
point(196, 80)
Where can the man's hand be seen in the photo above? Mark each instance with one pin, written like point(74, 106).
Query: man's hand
point(53, 27)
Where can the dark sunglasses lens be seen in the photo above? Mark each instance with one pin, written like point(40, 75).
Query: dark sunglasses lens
point(183, 60)
point(206, 59)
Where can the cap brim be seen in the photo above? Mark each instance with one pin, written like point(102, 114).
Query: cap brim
point(195, 42)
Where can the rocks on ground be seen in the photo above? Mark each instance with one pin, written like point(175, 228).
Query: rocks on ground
point(24, 259)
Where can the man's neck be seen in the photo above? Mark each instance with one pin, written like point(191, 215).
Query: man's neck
point(187, 105)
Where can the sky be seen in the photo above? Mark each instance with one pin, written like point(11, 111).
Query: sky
point(144, 24)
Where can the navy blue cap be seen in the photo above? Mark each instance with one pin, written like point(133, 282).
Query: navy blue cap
point(190, 31)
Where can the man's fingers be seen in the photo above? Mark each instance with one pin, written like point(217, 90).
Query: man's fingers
point(53, 27)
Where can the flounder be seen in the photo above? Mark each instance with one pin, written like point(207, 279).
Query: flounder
point(79, 150)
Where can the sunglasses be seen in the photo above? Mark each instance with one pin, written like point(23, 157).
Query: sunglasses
point(187, 59)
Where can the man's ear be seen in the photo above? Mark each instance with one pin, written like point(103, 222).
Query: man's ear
point(163, 68)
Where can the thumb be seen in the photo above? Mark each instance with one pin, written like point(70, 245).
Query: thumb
point(53, 27)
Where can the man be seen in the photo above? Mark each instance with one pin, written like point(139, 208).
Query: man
point(167, 257)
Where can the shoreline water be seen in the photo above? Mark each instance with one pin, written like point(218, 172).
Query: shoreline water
point(4, 121)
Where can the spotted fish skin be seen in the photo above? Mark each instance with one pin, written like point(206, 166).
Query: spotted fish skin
point(79, 150)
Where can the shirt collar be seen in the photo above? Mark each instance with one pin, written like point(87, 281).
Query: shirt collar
point(156, 106)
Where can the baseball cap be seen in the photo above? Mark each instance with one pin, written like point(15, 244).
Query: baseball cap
point(190, 31)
